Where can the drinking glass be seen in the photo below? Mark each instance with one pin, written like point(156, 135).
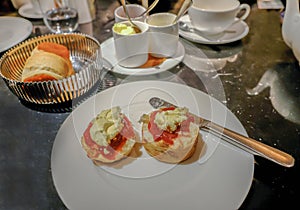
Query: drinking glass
point(61, 19)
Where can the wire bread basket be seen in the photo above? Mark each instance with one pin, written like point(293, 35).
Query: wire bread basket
point(85, 55)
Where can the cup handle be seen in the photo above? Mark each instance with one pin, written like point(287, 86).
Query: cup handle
point(247, 9)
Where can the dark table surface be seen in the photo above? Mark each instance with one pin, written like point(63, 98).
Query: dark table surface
point(271, 116)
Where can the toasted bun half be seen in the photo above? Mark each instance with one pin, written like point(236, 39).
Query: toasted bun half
point(44, 64)
point(172, 147)
point(48, 61)
point(114, 149)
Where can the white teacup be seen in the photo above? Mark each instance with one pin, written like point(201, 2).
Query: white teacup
point(213, 17)
point(163, 34)
point(132, 50)
point(134, 11)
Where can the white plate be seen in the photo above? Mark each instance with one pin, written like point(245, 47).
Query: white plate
point(27, 11)
point(221, 182)
point(108, 52)
point(13, 30)
point(237, 31)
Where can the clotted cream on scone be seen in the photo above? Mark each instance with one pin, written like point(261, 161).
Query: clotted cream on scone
point(170, 134)
point(109, 136)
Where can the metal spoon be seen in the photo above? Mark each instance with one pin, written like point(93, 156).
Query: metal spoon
point(183, 26)
point(135, 27)
point(150, 8)
point(186, 4)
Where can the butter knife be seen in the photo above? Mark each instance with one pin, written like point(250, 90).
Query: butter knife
point(248, 144)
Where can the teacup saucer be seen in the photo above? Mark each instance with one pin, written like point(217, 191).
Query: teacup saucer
point(108, 53)
point(236, 31)
point(27, 11)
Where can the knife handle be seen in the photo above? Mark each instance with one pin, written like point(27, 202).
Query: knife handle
point(261, 149)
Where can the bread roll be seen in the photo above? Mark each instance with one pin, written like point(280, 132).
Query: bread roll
point(170, 134)
point(109, 137)
point(48, 61)
point(45, 66)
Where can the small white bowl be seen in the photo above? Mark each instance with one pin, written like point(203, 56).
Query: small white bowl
point(132, 50)
point(134, 11)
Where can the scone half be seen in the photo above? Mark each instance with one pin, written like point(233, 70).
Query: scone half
point(109, 137)
point(48, 61)
point(170, 134)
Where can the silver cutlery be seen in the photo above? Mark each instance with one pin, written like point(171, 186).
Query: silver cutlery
point(216, 37)
point(185, 27)
point(185, 6)
point(151, 7)
point(135, 27)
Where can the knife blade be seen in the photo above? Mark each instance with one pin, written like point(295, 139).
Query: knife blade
point(248, 144)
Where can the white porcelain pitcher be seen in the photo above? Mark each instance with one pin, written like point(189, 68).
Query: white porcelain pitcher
point(291, 27)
